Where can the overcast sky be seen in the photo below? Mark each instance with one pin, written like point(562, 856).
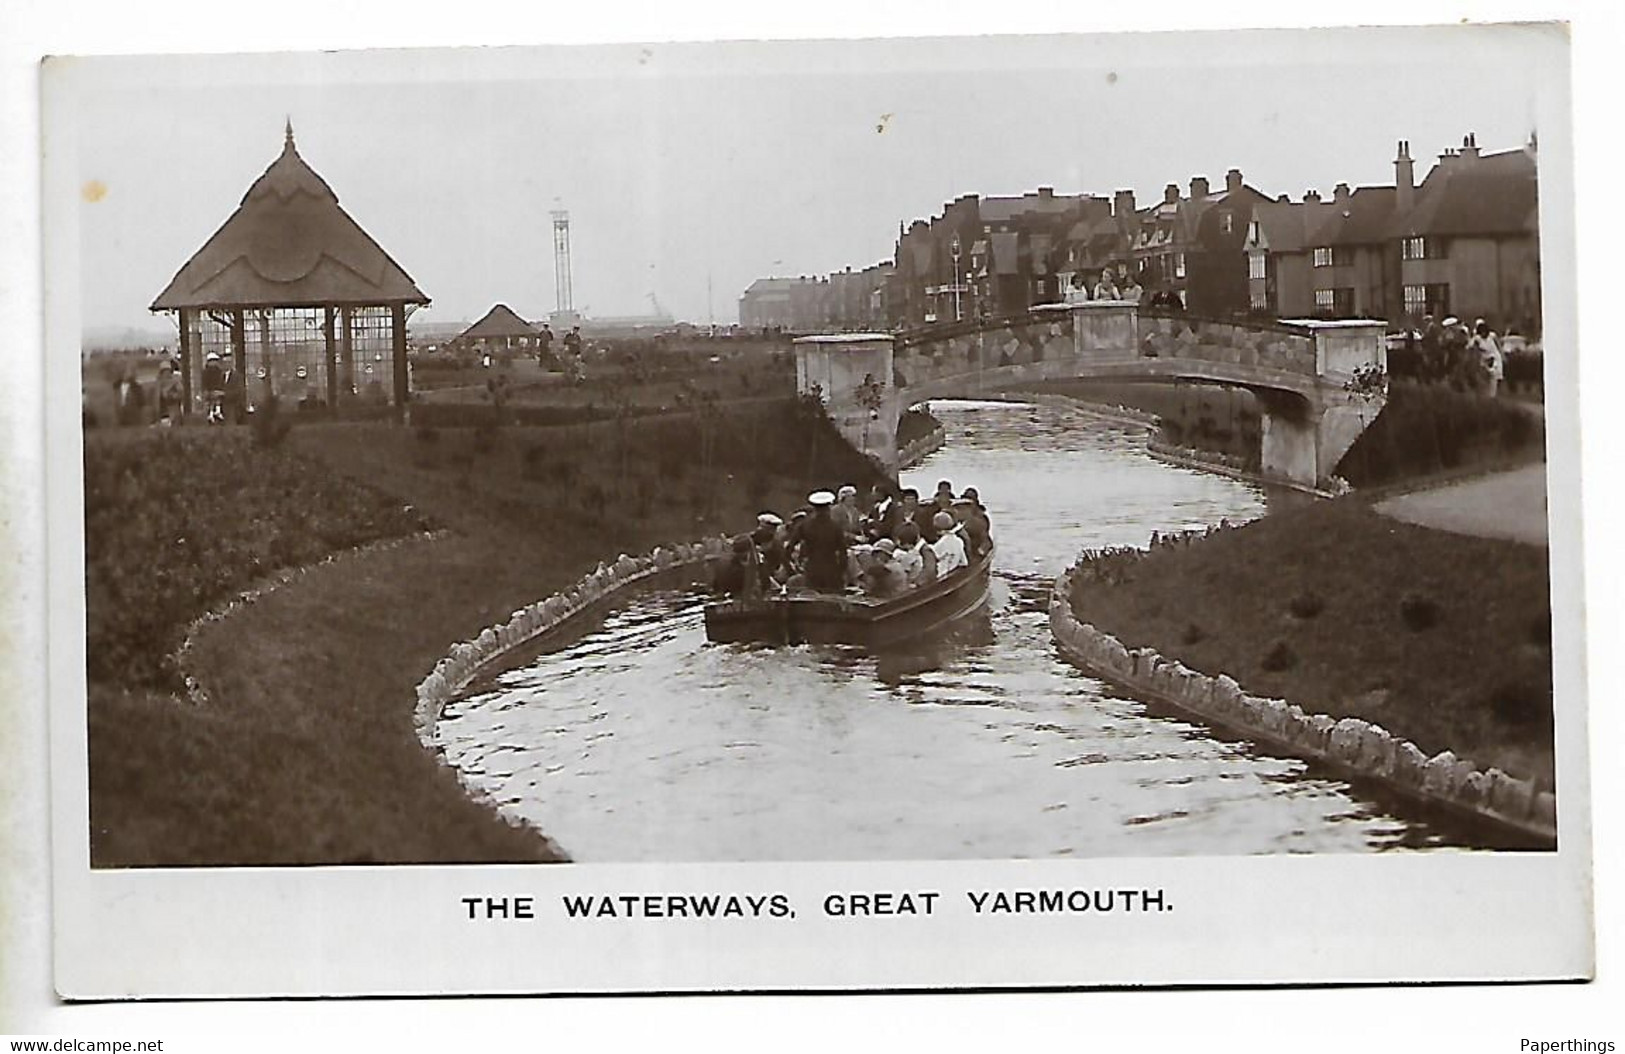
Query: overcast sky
point(691, 170)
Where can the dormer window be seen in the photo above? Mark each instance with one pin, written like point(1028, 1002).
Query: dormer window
point(1323, 256)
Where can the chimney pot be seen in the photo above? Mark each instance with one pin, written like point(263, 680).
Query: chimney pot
point(1312, 196)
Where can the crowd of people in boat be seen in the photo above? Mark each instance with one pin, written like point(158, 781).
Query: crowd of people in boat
point(881, 546)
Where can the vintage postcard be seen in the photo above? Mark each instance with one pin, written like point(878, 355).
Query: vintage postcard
point(914, 514)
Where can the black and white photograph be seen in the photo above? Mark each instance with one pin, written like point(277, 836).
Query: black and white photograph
point(766, 513)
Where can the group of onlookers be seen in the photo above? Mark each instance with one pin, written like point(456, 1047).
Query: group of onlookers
point(883, 545)
point(1469, 357)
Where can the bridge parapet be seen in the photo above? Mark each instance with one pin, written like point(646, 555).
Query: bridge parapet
point(1299, 369)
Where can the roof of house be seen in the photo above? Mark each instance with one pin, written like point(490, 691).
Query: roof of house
point(1488, 194)
point(1363, 218)
point(289, 243)
point(499, 322)
point(1283, 225)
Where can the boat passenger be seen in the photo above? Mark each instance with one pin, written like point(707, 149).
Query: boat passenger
point(823, 545)
point(846, 513)
point(769, 548)
point(882, 578)
point(899, 511)
point(737, 576)
point(949, 546)
point(915, 559)
point(973, 527)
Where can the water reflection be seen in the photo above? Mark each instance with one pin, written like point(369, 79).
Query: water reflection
point(640, 741)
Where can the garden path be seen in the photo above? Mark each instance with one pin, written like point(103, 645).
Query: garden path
point(1509, 505)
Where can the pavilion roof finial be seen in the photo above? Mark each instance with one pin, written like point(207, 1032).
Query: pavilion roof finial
point(287, 135)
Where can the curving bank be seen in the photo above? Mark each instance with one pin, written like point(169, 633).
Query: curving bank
point(1350, 744)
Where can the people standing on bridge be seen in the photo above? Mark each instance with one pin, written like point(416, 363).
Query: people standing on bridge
point(1106, 287)
point(823, 545)
point(1486, 350)
point(1131, 290)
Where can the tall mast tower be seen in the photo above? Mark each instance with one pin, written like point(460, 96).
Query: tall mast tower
point(561, 260)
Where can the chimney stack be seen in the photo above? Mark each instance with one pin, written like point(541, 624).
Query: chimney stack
point(1170, 194)
point(1046, 192)
point(1404, 177)
point(1311, 197)
point(1198, 187)
point(1469, 145)
point(1341, 193)
point(1123, 204)
point(1232, 181)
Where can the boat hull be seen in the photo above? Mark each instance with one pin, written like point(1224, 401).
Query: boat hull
point(816, 618)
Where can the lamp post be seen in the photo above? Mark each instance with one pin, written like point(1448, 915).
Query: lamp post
point(953, 250)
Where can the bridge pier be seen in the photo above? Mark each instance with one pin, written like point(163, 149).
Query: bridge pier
point(852, 375)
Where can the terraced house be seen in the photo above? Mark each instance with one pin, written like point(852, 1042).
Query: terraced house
point(1464, 242)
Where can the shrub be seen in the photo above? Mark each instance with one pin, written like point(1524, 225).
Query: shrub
point(1419, 612)
point(1306, 604)
point(1522, 701)
point(269, 425)
point(1278, 657)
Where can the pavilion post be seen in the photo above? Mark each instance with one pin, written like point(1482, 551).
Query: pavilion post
point(397, 326)
point(330, 354)
point(186, 362)
point(239, 363)
point(347, 350)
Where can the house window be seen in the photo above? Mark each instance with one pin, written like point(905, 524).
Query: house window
point(1227, 222)
point(1252, 232)
point(1324, 300)
point(1259, 298)
point(1257, 266)
point(1432, 299)
point(1422, 249)
point(1179, 265)
point(1323, 258)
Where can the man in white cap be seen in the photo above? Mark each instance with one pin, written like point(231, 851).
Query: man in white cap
point(823, 545)
point(769, 547)
point(949, 546)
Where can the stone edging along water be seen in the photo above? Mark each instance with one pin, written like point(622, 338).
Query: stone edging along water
point(467, 659)
point(911, 454)
point(1350, 744)
point(181, 655)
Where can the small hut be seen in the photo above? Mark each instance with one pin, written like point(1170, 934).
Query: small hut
point(500, 333)
point(296, 298)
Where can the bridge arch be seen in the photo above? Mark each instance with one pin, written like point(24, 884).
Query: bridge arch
point(1298, 369)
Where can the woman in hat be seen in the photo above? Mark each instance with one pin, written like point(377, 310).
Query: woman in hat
point(949, 546)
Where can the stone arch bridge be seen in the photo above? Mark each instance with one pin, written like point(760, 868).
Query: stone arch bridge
point(1298, 370)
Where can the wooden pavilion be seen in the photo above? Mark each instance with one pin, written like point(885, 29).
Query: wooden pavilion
point(500, 332)
point(296, 298)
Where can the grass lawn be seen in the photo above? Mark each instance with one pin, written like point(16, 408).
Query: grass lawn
point(1440, 638)
point(306, 751)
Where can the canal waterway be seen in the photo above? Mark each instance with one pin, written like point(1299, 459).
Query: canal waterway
point(636, 740)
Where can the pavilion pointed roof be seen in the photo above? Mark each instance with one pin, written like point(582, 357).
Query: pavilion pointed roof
point(289, 244)
point(501, 321)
